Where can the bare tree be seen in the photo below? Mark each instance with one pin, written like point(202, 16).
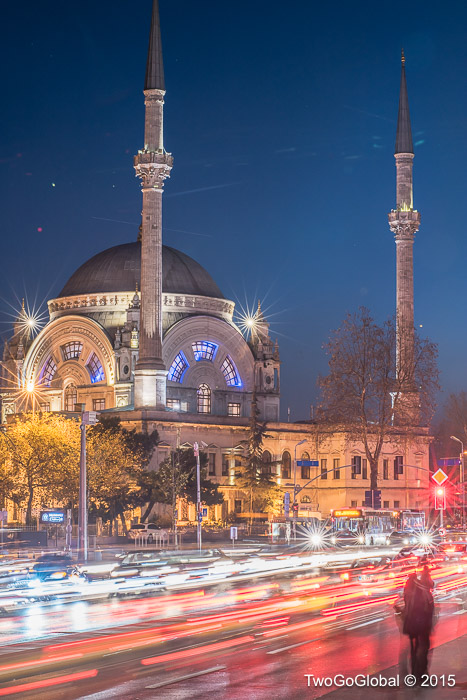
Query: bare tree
point(366, 395)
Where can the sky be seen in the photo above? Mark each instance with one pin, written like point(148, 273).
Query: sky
point(281, 118)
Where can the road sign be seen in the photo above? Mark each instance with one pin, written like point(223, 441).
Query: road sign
point(308, 463)
point(200, 517)
point(89, 418)
point(3, 516)
point(233, 533)
point(286, 497)
point(205, 512)
point(52, 517)
point(440, 477)
point(448, 462)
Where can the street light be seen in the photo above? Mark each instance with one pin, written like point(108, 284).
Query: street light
point(461, 476)
point(295, 488)
point(198, 491)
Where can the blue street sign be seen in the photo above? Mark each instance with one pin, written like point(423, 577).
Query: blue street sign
point(286, 497)
point(205, 512)
point(200, 517)
point(307, 463)
point(448, 462)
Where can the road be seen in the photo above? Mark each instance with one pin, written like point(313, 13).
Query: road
point(255, 641)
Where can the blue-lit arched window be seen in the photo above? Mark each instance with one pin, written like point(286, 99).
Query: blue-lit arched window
point(178, 368)
point(95, 369)
point(48, 372)
point(230, 373)
point(204, 350)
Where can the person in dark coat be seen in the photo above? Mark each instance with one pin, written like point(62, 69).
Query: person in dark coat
point(418, 620)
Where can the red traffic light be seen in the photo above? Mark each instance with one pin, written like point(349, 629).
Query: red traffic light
point(440, 498)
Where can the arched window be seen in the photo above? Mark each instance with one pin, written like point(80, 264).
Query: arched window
point(48, 372)
point(204, 399)
point(95, 369)
point(230, 373)
point(286, 465)
point(305, 499)
point(204, 350)
point(178, 368)
point(305, 474)
point(71, 397)
point(266, 459)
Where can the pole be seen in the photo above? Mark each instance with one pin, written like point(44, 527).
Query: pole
point(463, 488)
point(83, 505)
point(294, 493)
point(198, 495)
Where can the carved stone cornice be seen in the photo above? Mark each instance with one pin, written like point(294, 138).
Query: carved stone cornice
point(90, 303)
point(153, 168)
point(404, 224)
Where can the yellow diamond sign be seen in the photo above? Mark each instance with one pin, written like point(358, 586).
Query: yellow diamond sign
point(440, 477)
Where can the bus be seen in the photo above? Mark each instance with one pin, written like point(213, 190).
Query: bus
point(373, 527)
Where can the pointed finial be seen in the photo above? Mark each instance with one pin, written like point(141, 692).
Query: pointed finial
point(259, 305)
point(155, 66)
point(402, 57)
point(22, 305)
point(404, 143)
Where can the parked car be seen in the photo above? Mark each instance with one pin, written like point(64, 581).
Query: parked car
point(149, 531)
point(346, 538)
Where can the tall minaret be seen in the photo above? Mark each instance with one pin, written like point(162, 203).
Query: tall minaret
point(152, 165)
point(404, 222)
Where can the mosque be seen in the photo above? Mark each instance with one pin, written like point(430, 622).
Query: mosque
point(143, 330)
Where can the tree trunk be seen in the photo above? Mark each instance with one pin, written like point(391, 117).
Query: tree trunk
point(148, 510)
point(373, 474)
point(122, 520)
point(29, 507)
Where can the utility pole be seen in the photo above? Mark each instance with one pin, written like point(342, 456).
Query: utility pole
point(87, 418)
point(198, 495)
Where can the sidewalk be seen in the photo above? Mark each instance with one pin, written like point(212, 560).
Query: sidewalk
point(446, 659)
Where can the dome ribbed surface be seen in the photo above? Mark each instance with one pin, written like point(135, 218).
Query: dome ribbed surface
point(118, 269)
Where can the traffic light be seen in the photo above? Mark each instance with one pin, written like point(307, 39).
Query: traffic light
point(440, 498)
point(295, 507)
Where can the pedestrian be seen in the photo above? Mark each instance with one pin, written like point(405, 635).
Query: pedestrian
point(418, 620)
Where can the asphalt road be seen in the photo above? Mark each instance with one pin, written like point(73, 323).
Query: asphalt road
point(263, 657)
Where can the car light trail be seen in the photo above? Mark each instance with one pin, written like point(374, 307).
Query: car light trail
point(46, 683)
point(186, 653)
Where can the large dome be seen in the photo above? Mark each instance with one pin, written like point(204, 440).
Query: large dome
point(118, 269)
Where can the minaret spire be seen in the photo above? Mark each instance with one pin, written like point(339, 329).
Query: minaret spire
point(404, 132)
point(404, 222)
point(153, 165)
point(155, 66)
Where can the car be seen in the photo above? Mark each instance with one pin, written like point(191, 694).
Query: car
point(453, 550)
point(401, 537)
point(148, 531)
point(346, 538)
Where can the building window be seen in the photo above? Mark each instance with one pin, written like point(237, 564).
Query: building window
point(324, 468)
point(212, 464)
point(396, 504)
point(386, 471)
point(225, 465)
point(71, 397)
point(72, 351)
point(95, 369)
point(177, 405)
point(48, 371)
point(237, 506)
point(203, 350)
point(353, 504)
point(305, 499)
point(286, 465)
point(266, 458)
point(178, 368)
point(398, 468)
point(385, 504)
point(305, 473)
point(233, 409)
point(337, 471)
point(44, 407)
point(364, 469)
point(356, 466)
point(230, 373)
point(98, 404)
point(204, 399)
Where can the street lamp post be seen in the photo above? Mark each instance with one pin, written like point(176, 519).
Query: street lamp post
point(198, 493)
point(87, 418)
point(295, 489)
point(461, 476)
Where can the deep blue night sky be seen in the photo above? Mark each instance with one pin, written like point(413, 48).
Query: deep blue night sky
point(281, 118)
